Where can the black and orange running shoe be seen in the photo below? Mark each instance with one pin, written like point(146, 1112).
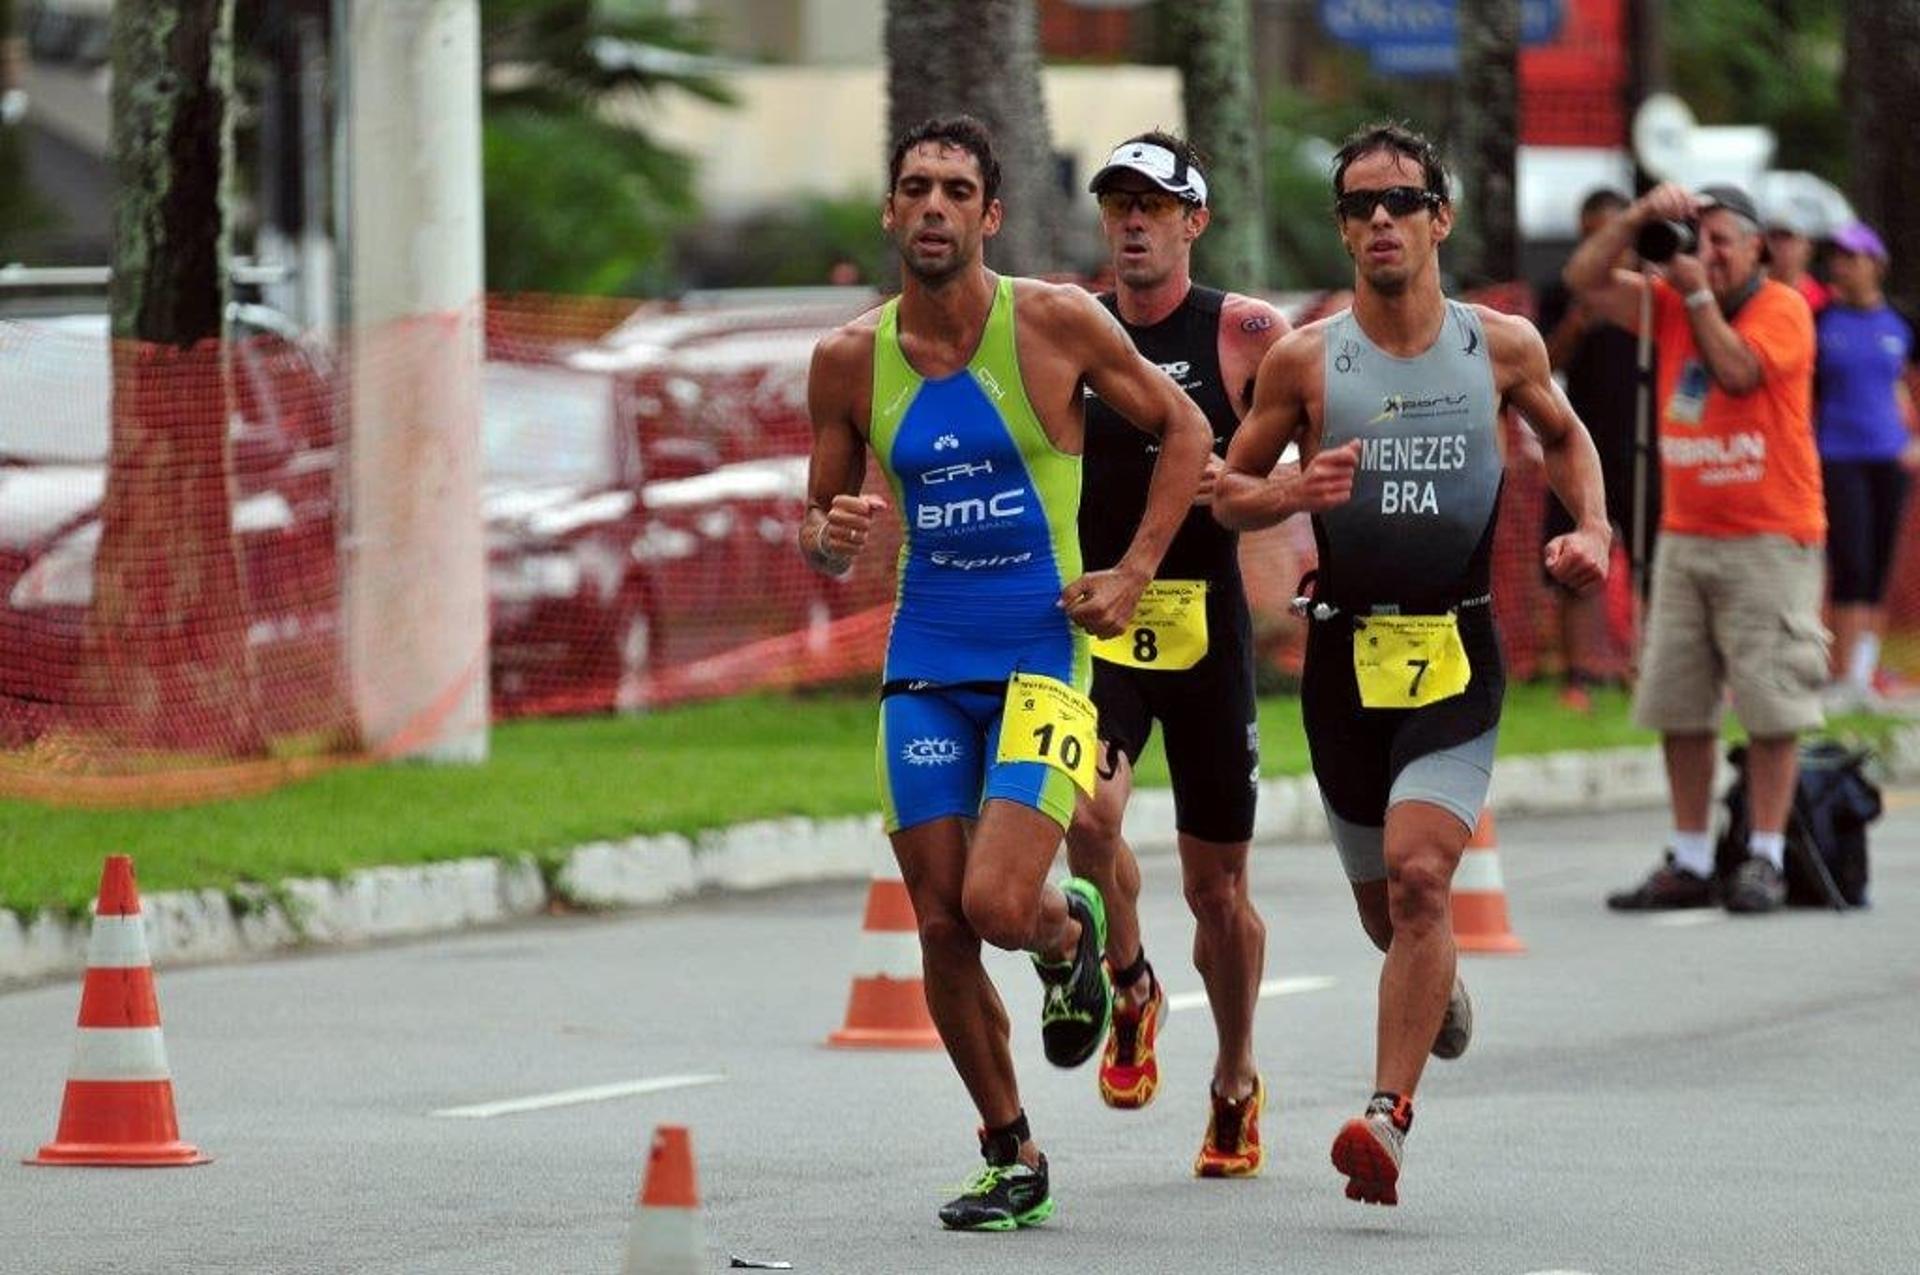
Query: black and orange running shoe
point(1232, 1147)
point(1129, 1070)
point(1368, 1149)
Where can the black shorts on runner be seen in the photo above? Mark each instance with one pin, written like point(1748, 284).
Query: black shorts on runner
point(1209, 723)
point(1360, 755)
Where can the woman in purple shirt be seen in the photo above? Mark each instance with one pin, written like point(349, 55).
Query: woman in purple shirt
point(1867, 449)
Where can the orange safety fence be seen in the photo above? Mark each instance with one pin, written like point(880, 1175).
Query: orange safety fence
point(170, 590)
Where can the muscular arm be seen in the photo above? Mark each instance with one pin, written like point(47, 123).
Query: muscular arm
point(1251, 495)
point(1249, 327)
point(1572, 463)
point(1729, 360)
point(1147, 397)
point(838, 463)
point(1611, 293)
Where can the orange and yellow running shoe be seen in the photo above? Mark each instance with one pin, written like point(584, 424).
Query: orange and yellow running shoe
point(1129, 1070)
point(1232, 1148)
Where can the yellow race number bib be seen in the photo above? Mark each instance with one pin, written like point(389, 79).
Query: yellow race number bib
point(1168, 629)
point(1407, 661)
point(1047, 721)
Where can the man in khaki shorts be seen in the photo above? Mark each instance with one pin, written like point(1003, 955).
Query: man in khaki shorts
point(1737, 578)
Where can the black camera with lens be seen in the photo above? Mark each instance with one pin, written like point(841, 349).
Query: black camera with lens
point(1659, 241)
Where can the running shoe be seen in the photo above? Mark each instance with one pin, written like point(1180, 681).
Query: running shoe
point(1232, 1147)
point(1368, 1150)
point(1667, 887)
point(1129, 1070)
point(1078, 1004)
point(1757, 886)
point(1456, 1029)
point(1001, 1197)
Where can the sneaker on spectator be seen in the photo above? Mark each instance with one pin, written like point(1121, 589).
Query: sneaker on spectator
point(1757, 886)
point(1667, 887)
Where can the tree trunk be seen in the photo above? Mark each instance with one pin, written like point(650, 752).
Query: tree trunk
point(982, 57)
point(1216, 69)
point(169, 623)
point(1882, 88)
point(1487, 132)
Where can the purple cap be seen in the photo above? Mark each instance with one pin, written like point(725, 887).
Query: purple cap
point(1859, 237)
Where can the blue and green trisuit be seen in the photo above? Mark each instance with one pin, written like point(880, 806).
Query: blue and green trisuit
point(990, 508)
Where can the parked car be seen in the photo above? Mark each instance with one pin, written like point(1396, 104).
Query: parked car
point(600, 575)
point(53, 452)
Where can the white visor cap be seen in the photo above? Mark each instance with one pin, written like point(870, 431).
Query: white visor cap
point(1158, 165)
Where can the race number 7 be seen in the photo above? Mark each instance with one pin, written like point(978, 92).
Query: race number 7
point(1419, 668)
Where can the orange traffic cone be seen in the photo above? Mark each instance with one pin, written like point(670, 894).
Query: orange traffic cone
point(888, 1006)
point(119, 1102)
point(667, 1236)
point(1480, 895)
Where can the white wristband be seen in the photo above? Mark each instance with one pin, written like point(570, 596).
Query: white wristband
point(1699, 297)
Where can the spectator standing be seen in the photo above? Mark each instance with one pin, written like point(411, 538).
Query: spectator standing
point(1736, 583)
point(1598, 360)
point(1790, 256)
point(1868, 451)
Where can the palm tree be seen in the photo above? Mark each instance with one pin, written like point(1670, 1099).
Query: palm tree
point(1215, 43)
point(983, 57)
point(579, 198)
point(1883, 98)
point(1486, 119)
point(167, 636)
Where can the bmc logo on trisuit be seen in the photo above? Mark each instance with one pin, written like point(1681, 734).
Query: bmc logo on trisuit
point(962, 513)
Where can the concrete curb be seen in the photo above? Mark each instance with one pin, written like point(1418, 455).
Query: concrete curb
point(186, 927)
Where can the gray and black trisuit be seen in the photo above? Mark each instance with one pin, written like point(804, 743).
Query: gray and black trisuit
point(1415, 539)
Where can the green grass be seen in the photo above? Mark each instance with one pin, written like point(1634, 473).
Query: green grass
point(551, 785)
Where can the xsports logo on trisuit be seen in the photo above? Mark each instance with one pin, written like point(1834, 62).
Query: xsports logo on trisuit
point(1404, 407)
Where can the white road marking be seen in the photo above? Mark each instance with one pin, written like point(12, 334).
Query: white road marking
point(574, 1097)
point(1272, 987)
point(1688, 916)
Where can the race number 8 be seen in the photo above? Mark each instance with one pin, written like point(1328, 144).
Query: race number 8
point(1146, 646)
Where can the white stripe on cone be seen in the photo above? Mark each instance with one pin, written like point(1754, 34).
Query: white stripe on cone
point(888, 954)
point(118, 943)
point(665, 1241)
point(119, 1053)
point(1479, 872)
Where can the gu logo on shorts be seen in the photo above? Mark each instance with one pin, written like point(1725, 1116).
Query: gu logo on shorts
point(931, 752)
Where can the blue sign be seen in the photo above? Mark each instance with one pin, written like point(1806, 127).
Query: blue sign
point(1422, 36)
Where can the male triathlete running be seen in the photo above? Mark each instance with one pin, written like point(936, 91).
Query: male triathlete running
point(967, 387)
point(1187, 658)
point(1396, 406)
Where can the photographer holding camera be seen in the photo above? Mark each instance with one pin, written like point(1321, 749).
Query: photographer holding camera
point(1737, 576)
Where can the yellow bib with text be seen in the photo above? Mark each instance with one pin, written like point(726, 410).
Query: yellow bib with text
point(1047, 721)
point(1408, 661)
point(1168, 629)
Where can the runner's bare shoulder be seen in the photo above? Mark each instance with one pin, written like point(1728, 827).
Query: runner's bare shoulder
point(1058, 309)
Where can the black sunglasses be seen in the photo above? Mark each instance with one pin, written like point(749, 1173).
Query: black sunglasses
point(1356, 205)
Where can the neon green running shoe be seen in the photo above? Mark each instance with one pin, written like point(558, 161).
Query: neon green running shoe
point(1001, 1197)
point(1078, 1005)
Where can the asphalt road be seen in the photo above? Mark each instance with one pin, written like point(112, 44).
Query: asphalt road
point(1643, 1096)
